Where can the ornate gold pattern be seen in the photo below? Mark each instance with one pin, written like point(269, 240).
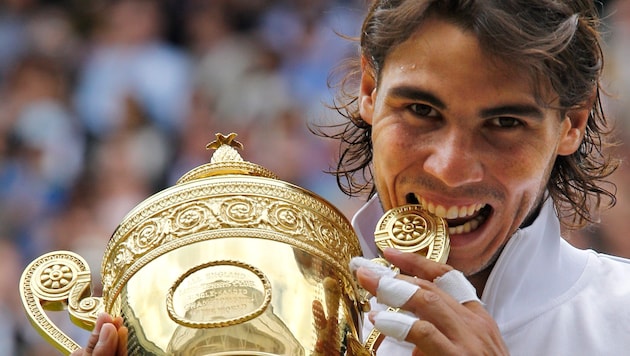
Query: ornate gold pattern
point(235, 210)
point(223, 322)
point(268, 205)
point(56, 281)
point(223, 141)
point(226, 160)
point(409, 228)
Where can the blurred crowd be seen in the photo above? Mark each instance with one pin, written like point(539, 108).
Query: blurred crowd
point(105, 102)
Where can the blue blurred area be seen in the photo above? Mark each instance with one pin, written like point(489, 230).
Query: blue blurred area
point(105, 102)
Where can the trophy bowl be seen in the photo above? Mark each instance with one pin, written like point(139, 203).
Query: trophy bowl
point(228, 261)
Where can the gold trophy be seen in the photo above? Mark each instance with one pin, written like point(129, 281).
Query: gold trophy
point(228, 261)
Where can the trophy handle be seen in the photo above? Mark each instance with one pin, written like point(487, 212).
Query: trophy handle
point(56, 281)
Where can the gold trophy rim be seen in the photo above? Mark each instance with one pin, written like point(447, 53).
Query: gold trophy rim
point(113, 282)
point(226, 176)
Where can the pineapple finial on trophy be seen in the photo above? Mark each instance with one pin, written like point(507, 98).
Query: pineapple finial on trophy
point(225, 148)
point(226, 160)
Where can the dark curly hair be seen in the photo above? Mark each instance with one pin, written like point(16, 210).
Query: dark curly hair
point(558, 41)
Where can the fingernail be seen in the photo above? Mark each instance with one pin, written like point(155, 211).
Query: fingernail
point(104, 336)
point(392, 251)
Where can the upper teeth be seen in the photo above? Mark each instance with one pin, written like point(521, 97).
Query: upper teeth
point(452, 212)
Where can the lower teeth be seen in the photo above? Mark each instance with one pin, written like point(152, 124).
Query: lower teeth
point(466, 227)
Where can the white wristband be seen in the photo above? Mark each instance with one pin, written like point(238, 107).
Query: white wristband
point(457, 286)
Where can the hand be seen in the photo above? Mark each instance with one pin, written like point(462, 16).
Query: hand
point(109, 338)
point(443, 325)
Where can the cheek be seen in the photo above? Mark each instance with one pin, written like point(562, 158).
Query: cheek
point(392, 154)
point(523, 168)
point(393, 147)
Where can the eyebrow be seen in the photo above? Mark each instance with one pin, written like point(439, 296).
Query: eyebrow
point(408, 92)
point(516, 109)
point(413, 93)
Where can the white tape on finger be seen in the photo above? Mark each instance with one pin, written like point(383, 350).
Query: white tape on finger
point(457, 286)
point(396, 325)
point(394, 292)
point(378, 269)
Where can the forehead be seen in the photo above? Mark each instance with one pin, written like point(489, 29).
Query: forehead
point(441, 54)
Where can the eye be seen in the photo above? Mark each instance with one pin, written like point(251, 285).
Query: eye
point(506, 122)
point(423, 110)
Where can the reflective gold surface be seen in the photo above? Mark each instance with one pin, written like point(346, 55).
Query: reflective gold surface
point(409, 228)
point(229, 261)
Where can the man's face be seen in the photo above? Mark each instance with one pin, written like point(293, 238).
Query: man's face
point(462, 134)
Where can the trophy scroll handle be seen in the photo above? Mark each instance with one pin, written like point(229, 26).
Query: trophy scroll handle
point(57, 281)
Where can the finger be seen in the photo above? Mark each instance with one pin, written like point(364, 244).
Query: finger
point(118, 322)
point(438, 308)
point(455, 284)
point(379, 280)
point(430, 340)
point(395, 292)
point(404, 327)
point(370, 280)
point(447, 326)
point(376, 268)
point(107, 341)
point(122, 341)
point(414, 264)
point(392, 324)
point(389, 288)
point(90, 345)
point(94, 336)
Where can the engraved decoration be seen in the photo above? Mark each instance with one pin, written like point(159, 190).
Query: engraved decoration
point(208, 207)
point(219, 294)
point(227, 198)
point(56, 281)
point(410, 228)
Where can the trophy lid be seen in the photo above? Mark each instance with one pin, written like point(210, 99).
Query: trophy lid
point(226, 160)
point(226, 197)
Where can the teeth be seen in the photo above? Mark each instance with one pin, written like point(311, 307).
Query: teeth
point(452, 212)
point(456, 212)
point(467, 227)
point(439, 211)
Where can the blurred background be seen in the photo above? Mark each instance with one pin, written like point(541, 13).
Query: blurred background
point(105, 102)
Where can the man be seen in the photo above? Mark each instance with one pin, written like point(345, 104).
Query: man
point(486, 113)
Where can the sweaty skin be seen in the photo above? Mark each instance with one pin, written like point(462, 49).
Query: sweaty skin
point(463, 134)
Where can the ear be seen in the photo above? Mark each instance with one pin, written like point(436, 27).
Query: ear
point(367, 92)
point(574, 126)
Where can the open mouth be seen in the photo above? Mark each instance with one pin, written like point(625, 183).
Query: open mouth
point(460, 219)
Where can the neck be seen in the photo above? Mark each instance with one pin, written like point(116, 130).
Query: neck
point(479, 279)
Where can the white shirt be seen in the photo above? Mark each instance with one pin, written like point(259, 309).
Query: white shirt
point(547, 297)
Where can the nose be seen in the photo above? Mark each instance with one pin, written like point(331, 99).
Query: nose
point(453, 160)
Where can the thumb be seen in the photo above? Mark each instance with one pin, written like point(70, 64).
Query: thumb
point(107, 341)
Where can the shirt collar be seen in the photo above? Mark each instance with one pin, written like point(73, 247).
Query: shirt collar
point(536, 266)
point(364, 224)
